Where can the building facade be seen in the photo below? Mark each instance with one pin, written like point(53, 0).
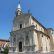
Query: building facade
point(4, 43)
point(29, 35)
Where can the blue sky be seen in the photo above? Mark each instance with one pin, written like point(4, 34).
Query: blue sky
point(42, 10)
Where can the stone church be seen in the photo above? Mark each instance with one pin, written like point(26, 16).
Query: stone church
point(28, 34)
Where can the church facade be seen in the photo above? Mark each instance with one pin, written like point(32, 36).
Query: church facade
point(30, 35)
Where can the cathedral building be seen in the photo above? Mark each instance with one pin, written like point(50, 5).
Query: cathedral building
point(28, 34)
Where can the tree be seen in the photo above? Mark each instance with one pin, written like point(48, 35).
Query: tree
point(6, 50)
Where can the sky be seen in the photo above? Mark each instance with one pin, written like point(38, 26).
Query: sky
point(42, 10)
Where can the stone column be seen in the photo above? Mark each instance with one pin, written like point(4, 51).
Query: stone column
point(39, 41)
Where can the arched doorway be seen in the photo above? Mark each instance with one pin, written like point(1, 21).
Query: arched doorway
point(20, 46)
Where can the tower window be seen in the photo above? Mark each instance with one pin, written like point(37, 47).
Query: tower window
point(20, 25)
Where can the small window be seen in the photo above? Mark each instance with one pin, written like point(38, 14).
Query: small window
point(20, 25)
point(36, 26)
point(41, 29)
point(41, 48)
point(46, 48)
point(42, 35)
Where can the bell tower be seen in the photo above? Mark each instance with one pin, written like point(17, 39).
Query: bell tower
point(18, 10)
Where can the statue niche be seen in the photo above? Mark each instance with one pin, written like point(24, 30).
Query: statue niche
point(27, 39)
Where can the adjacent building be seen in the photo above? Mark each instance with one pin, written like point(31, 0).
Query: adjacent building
point(4, 43)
